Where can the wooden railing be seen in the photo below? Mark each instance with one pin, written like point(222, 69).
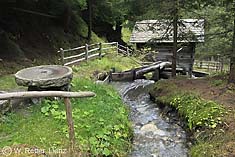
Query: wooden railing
point(84, 53)
point(211, 65)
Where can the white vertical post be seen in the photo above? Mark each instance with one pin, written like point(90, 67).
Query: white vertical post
point(117, 47)
point(87, 49)
point(62, 55)
point(100, 49)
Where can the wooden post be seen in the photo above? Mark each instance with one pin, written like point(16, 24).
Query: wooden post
point(62, 55)
point(175, 38)
point(222, 64)
point(156, 74)
point(117, 47)
point(110, 76)
point(134, 74)
point(69, 118)
point(100, 50)
point(87, 49)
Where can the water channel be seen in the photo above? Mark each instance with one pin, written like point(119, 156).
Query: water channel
point(154, 135)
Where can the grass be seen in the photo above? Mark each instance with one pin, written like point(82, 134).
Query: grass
point(23, 128)
point(101, 123)
point(120, 63)
point(7, 83)
point(102, 127)
point(205, 120)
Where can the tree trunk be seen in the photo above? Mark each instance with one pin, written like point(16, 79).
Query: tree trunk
point(232, 59)
point(67, 17)
point(175, 30)
point(119, 30)
point(90, 20)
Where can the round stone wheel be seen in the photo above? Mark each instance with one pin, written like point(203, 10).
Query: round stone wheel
point(45, 76)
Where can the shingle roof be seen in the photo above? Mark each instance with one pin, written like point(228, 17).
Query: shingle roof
point(189, 30)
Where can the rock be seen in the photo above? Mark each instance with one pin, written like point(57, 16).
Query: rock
point(149, 127)
point(153, 128)
point(45, 76)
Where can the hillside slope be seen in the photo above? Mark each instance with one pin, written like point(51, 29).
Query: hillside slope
point(29, 39)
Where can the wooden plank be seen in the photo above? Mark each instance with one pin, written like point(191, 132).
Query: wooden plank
point(112, 43)
point(75, 56)
point(95, 49)
point(123, 51)
point(122, 46)
point(93, 55)
point(76, 48)
point(36, 94)
point(75, 61)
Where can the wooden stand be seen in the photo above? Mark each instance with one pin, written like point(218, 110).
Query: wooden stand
point(68, 107)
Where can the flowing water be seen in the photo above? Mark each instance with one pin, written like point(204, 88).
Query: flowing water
point(154, 135)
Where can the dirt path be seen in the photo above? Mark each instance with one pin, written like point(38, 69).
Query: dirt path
point(214, 89)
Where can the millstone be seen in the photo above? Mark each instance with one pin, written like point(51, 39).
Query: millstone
point(44, 76)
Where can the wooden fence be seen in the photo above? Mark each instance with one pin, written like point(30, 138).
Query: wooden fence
point(84, 53)
point(211, 65)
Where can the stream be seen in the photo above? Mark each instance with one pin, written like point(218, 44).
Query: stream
point(154, 135)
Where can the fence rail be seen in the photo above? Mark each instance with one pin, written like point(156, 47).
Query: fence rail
point(211, 65)
point(84, 53)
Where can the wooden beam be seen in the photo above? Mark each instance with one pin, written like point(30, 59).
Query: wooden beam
point(36, 94)
point(75, 56)
point(152, 68)
point(75, 61)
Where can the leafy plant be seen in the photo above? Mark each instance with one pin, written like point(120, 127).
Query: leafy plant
point(217, 82)
point(198, 112)
point(101, 124)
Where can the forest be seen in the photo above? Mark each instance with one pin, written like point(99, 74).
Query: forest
point(107, 20)
point(188, 115)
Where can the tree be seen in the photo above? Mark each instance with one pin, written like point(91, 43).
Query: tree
point(232, 59)
point(90, 20)
point(175, 30)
